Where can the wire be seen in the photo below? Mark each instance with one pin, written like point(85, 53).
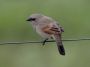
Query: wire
point(27, 42)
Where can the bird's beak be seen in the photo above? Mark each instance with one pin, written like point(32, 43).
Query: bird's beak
point(28, 19)
point(31, 19)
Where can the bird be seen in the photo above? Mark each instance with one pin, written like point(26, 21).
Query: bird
point(47, 28)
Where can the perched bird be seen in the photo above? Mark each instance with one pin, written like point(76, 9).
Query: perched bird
point(48, 28)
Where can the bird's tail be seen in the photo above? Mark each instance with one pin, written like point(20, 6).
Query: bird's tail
point(59, 44)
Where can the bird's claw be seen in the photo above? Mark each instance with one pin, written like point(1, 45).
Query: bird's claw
point(43, 43)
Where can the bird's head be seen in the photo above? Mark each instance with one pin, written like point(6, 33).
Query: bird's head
point(34, 17)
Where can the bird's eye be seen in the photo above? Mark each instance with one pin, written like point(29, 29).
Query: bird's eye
point(31, 19)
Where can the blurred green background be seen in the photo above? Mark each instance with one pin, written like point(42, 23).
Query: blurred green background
point(73, 15)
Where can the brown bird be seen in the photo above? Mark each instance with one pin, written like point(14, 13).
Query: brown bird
point(48, 28)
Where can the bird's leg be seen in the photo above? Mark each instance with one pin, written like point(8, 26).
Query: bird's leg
point(44, 41)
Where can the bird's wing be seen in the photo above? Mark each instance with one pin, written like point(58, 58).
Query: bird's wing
point(61, 28)
point(53, 29)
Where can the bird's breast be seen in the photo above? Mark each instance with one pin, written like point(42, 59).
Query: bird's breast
point(41, 33)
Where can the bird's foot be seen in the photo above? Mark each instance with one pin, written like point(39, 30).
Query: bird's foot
point(43, 43)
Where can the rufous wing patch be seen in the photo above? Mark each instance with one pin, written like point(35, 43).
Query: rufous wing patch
point(50, 30)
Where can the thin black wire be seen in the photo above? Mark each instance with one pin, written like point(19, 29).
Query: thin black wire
point(27, 42)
